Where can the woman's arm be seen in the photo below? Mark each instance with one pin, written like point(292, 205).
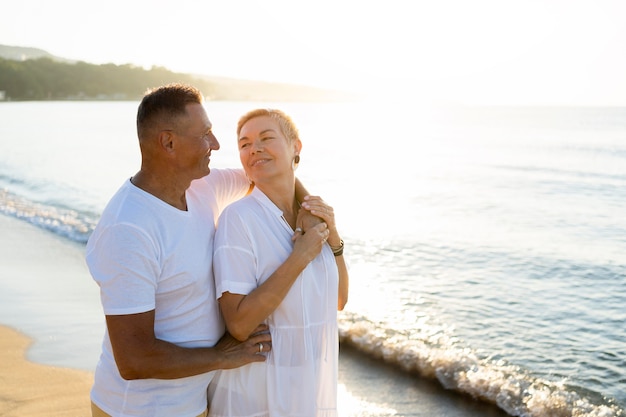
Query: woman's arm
point(318, 207)
point(344, 281)
point(243, 313)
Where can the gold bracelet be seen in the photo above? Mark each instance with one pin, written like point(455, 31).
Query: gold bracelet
point(338, 251)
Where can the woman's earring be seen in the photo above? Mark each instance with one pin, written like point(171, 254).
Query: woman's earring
point(295, 162)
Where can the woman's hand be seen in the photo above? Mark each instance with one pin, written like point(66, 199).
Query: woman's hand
point(309, 244)
point(318, 208)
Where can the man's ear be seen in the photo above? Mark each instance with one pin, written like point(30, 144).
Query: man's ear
point(166, 140)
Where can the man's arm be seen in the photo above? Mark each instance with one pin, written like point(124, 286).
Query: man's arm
point(305, 219)
point(140, 355)
point(301, 191)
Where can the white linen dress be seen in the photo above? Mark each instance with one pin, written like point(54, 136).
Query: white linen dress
point(299, 377)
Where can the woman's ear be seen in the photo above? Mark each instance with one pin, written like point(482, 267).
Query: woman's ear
point(296, 159)
point(297, 146)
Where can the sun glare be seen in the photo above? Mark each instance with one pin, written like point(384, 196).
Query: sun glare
point(481, 52)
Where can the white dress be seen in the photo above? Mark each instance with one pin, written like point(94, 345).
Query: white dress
point(299, 377)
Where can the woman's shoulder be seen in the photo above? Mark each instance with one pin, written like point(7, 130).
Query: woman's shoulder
point(240, 207)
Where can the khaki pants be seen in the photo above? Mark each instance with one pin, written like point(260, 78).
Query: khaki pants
point(97, 412)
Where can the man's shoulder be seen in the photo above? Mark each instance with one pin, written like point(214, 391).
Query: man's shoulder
point(131, 205)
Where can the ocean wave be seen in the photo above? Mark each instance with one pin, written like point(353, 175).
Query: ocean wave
point(72, 224)
point(431, 352)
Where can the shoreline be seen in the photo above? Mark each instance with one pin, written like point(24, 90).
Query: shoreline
point(31, 389)
point(51, 327)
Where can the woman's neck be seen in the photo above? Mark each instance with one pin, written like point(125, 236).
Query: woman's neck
point(284, 197)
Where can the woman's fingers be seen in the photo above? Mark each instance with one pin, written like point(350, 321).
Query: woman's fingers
point(318, 207)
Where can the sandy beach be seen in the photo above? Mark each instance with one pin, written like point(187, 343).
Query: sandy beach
point(30, 389)
point(51, 328)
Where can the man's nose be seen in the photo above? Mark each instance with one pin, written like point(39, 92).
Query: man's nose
point(213, 142)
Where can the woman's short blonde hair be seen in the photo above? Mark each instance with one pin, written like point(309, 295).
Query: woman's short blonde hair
point(286, 124)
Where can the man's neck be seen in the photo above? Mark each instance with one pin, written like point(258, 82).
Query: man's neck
point(164, 189)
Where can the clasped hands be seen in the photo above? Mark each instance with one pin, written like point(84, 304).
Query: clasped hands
point(317, 216)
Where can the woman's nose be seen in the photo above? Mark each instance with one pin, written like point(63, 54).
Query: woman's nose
point(257, 146)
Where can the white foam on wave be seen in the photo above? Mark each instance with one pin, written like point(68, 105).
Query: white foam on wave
point(67, 223)
point(431, 352)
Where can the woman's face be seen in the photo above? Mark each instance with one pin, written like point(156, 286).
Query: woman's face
point(265, 153)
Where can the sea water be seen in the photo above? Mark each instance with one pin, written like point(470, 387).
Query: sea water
point(487, 246)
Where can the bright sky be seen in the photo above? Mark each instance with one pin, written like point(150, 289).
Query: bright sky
point(485, 51)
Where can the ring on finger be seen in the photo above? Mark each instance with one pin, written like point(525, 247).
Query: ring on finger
point(260, 347)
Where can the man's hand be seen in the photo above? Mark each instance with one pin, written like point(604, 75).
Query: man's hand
point(238, 353)
point(306, 220)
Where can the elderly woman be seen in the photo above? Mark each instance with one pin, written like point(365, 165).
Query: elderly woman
point(269, 270)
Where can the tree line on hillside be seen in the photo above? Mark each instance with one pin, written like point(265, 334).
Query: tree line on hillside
point(45, 79)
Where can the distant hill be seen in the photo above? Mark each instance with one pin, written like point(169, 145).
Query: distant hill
point(21, 53)
point(35, 74)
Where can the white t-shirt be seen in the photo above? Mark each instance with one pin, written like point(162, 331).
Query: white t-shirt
point(299, 377)
point(147, 255)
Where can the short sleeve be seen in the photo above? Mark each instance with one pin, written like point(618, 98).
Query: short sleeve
point(124, 262)
point(234, 261)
